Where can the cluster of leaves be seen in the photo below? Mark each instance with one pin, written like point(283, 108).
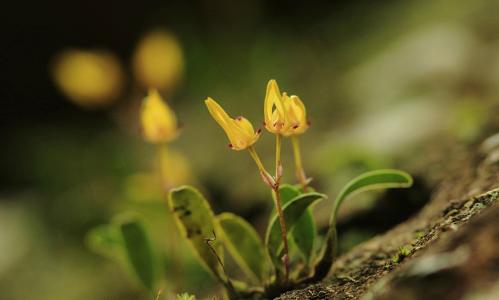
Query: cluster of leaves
point(126, 238)
point(260, 260)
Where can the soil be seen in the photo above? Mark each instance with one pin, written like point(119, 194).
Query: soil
point(449, 250)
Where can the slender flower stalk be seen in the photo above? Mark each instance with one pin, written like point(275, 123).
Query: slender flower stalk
point(266, 177)
point(278, 204)
point(278, 164)
point(257, 159)
point(282, 223)
point(300, 172)
point(161, 151)
point(273, 183)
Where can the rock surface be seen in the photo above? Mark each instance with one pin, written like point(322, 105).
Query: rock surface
point(449, 250)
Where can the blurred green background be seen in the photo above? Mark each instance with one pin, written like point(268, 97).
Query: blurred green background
point(380, 81)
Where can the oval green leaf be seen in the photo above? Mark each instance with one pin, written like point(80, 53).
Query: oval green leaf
point(293, 210)
point(195, 220)
point(304, 232)
point(374, 180)
point(138, 251)
point(379, 179)
point(105, 240)
point(245, 246)
point(288, 192)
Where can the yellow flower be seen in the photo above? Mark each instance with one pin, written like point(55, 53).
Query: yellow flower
point(158, 60)
point(296, 115)
point(284, 114)
point(239, 130)
point(273, 109)
point(159, 123)
point(89, 78)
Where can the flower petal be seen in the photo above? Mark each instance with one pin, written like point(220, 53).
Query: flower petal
point(272, 97)
point(245, 126)
point(299, 106)
point(220, 116)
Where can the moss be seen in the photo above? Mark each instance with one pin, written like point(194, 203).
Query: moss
point(402, 253)
point(185, 296)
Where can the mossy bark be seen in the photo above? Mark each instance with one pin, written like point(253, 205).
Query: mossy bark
point(449, 250)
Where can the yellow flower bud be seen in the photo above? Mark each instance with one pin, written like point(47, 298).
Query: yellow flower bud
point(159, 123)
point(296, 115)
point(239, 130)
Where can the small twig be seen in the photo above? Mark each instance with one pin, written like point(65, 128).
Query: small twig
point(227, 281)
point(208, 242)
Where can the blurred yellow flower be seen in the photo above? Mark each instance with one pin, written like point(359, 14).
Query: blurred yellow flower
point(159, 124)
point(273, 110)
point(239, 130)
point(296, 115)
point(88, 78)
point(158, 60)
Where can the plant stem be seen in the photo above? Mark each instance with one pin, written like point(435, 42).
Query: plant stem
point(278, 165)
point(256, 158)
point(282, 222)
point(278, 204)
point(265, 175)
point(273, 183)
point(162, 151)
point(300, 173)
point(158, 295)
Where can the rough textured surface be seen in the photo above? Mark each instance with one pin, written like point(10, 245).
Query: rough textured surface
point(450, 247)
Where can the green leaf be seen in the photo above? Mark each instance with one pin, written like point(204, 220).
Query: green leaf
point(379, 179)
point(195, 220)
point(304, 234)
point(293, 210)
point(105, 240)
point(288, 192)
point(245, 246)
point(139, 251)
point(374, 180)
point(304, 231)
